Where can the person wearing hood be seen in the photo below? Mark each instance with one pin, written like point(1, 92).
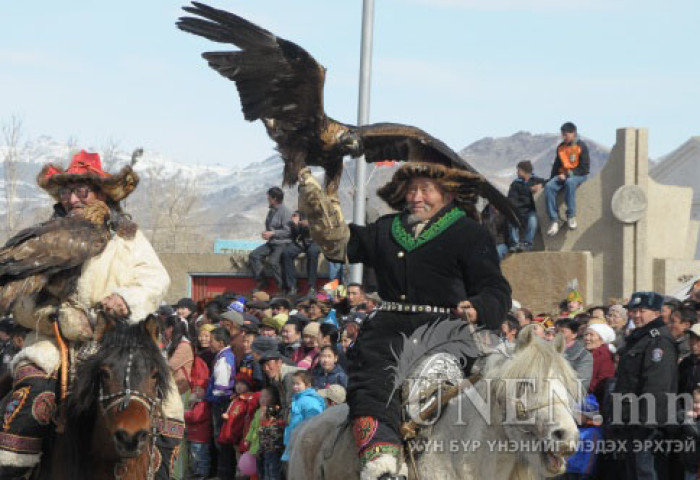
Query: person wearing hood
point(597, 340)
point(306, 403)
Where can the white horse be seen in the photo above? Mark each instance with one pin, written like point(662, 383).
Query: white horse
point(516, 422)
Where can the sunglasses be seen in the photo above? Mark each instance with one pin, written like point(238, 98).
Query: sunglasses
point(80, 191)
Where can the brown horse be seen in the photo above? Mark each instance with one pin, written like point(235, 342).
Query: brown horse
point(111, 412)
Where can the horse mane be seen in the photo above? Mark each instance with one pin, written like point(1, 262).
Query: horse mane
point(538, 359)
point(82, 403)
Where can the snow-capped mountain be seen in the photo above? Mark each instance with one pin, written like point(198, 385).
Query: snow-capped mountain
point(186, 207)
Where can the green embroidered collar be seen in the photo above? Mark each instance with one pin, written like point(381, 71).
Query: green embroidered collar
point(406, 240)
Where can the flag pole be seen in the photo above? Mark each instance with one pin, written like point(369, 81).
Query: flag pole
point(358, 216)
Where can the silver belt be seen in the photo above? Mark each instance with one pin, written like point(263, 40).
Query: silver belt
point(410, 308)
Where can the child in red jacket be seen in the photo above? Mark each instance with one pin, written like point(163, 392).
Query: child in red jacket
point(198, 423)
point(239, 414)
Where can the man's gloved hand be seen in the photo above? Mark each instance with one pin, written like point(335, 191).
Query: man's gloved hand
point(327, 227)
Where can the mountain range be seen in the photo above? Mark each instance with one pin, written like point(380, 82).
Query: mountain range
point(186, 207)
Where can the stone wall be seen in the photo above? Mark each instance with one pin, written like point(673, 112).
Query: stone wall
point(539, 279)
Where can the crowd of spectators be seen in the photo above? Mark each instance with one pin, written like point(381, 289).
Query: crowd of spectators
point(628, 356)
point(251, 368)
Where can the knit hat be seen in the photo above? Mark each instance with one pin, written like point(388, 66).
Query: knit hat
point(312, 329)
point(236, 306)
point(604, 331)
point(244, 378)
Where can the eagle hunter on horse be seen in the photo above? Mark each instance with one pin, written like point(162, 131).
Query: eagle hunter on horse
point(54, 276)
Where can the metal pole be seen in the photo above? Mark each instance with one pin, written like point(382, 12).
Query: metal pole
point(358, 215)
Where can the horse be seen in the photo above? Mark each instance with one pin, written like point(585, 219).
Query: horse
point(110, 413)
point(515, 422)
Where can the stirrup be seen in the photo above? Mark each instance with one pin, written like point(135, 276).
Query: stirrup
point(389, 476)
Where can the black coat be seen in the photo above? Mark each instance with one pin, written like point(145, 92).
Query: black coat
point(648, 364)
point(520, 194)
point(584, 161)
point(689, 374)
point(459, 263)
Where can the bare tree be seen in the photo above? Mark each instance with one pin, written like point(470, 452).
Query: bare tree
point(12, 136)
point(109, 154)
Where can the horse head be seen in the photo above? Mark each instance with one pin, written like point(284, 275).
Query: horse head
point(117, 391)
point(534, 393)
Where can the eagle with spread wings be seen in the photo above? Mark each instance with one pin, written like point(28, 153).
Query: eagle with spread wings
point(281, 84)
point(45, 261)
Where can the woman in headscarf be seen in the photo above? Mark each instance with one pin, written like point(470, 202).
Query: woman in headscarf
point(596, 340)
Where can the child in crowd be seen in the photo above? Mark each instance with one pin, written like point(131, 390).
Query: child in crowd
point(198, 423)
point(306, 403)
point(265, 435)
point(239, 414)
point(219, 391)
point(328, 372)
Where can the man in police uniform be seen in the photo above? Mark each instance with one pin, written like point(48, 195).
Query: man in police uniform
point(432, 263)
point(648, 365)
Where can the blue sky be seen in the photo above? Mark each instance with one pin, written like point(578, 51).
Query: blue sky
point(460, 69)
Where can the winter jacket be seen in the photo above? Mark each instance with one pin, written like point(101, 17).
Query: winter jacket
point(323, 379)
point(520, 194)
point(603, 368)
point(198, 422)
point(223, 377)
point(584, 161)
point(305, 358)
point(279, 221)
point(682, 346)
point(271, 430)
point(240, 414)
point(648, 364)
point(581, 361)
point(305, 404)
point(180, 364)
point(689, 433)
point(689, 374)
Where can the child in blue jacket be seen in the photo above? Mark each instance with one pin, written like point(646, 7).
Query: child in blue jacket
point(306, 403)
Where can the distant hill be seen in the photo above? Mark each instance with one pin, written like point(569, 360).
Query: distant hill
point(186, 207)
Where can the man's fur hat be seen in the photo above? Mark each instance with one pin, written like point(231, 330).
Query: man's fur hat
point(463, 185)
point(87, 167)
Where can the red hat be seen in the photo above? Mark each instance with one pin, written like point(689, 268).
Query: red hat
point(244, 378)
point(87, 167)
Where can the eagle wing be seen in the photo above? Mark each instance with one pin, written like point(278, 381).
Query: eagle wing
point(393, 141)
point(276, 79)
point(30, 259)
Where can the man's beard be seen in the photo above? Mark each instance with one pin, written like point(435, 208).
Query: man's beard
point(414, 218)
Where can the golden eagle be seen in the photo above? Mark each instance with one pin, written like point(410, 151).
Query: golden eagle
point(281, 84)
point(45, 260)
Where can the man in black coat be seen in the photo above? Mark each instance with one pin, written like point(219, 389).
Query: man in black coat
point(570, 169)
point(520, 194)
point(433, 264)
point(646, 373)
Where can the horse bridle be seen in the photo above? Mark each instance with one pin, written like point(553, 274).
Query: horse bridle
point(122, 399)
